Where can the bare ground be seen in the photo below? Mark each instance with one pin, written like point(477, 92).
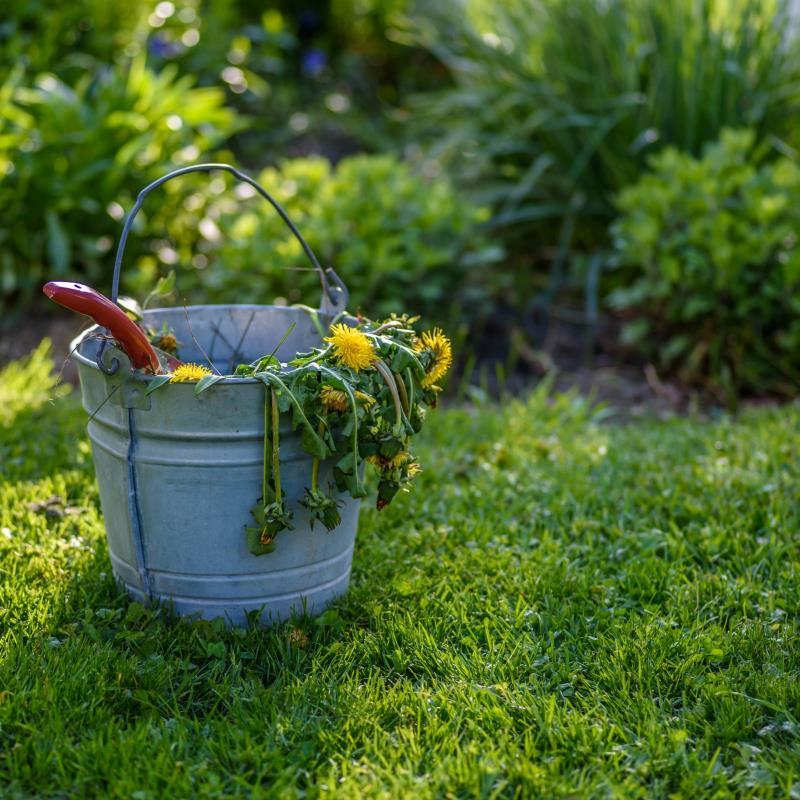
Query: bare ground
point(629, 390)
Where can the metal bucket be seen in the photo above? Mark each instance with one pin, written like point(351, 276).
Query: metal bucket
point(179, 473)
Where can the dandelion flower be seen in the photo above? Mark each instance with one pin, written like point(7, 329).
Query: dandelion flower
point(266, 537)
point(351, 347)
point(439, 346)
point(333, 399)
point(365, 399)
point(166, 342)
point(189, 373)
point(298, 638)
point(387, 464)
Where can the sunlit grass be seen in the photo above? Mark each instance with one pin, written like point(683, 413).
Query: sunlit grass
point(562, 607)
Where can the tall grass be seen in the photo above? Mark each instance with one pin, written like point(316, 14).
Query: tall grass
point(556, 105)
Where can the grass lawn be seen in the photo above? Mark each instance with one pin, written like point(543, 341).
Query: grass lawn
point(562, 607)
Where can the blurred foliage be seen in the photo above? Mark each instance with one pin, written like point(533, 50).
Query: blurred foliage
point(558, 105)
point(42, 36)
point(317, 75)
point(541, 112)
point(72, 157)
point(85, 124)
point(398, 240)
point(709, 252)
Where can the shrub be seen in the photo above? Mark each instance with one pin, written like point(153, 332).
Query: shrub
point(72, 157)
point(557, 105)
point(397, 239)
point(41, 35)
point(709, 247)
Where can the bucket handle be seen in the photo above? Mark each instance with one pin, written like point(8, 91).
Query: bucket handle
point(334, 292)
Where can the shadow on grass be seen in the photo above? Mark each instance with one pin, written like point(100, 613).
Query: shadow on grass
point(101, 695)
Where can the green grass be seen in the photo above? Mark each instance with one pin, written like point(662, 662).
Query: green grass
point(562, 607)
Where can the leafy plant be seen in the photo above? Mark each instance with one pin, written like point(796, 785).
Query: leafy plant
point(72, 158)
point(43, 36)
point(558, 105)
point(318, 76)
point(360, 397)
point(710, 254)
point(395, 237)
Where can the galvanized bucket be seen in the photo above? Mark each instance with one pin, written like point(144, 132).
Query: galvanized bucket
point(179, 473)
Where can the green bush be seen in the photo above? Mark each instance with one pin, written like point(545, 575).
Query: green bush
point(557, 105)
point(399, 241)
point(72, 157)
point(44, 36)
point(709, 247)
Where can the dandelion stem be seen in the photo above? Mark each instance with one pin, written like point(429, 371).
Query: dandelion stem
point(392, 323)
point(401, 388)
point(283, 339)
point(410, 386)
point(265, 472)
point(276, 466)
point(314, 474)
point(386, 374)
point(315, 462)
point(313, 313)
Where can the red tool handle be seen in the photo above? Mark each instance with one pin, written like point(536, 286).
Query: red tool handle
point(88, 301)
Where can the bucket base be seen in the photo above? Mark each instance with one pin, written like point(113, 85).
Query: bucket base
point(273, 609)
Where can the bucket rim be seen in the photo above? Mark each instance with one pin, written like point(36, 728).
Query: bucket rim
point(75, 344)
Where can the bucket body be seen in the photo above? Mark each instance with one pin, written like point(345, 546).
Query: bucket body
point(179, 473)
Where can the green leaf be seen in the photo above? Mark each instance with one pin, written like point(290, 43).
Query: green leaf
point(347, 462)
point(675, 347)
point(339, 383)
point(206, 383)
point(303, 360)
point(131, 307)
point(281, 341)
point(311, 444)
point(318, 448)
point(156, 382)
point(254, 542)
point(349, 482)
point(59, 249)
point(166, 284)
point(408, 355)
point(284, 402)
point(391, 447)
point(322, 508)
point(263, 363)
point(349, 425)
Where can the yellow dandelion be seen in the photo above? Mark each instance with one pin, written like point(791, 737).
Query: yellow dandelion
point(387, 464)
point(333, 399)
point(365, 399)
point(351, 347)
point(189, 373)
point(266, 537)
point(439, 345)
point(297, 638)
point(166, 342)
